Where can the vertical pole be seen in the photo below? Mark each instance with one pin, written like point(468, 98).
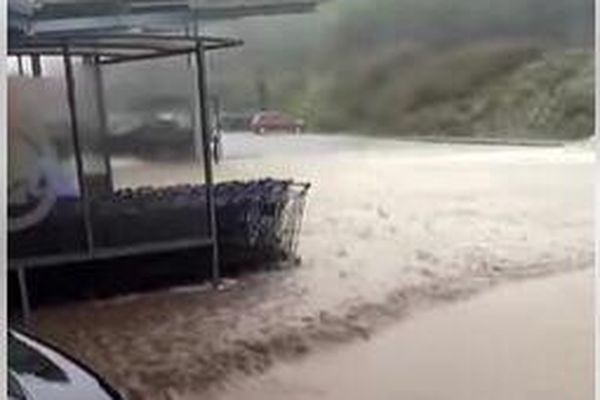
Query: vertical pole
point(207, 156)
point(36, 65)
point(87, 221)
point(25, 306)
point(196, 117)
point(20, 65)
point(101, 104)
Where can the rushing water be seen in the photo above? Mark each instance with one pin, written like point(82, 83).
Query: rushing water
point(388, 225)
point(523, 342)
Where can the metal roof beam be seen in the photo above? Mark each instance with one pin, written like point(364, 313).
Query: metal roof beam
point(73, 19)
point(120, 47)
point(61, 10)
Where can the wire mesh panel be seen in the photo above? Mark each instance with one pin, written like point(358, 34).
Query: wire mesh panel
point(259, 220)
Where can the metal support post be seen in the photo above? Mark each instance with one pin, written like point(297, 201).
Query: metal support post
point(25, 306)
point(87, 221)
point(20, 65)
point(36, 65)
point(196, 117)
point(207, 156)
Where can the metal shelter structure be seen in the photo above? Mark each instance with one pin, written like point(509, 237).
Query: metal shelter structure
point(55, 17)
point(107, 49)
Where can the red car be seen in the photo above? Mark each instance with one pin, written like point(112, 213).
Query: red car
point(265, 121)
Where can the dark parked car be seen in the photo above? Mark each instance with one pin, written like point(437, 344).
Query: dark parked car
point(40, 371)
point(266, 121)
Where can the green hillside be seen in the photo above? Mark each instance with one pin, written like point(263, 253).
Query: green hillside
point(428, 67)
point(491, 90)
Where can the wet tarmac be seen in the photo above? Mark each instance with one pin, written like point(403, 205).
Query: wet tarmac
point(390, 228)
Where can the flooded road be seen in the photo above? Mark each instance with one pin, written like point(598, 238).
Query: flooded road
point(390, 227)
point(526, 341)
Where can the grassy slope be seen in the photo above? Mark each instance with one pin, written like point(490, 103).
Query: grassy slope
point(552, 96)
point(492, 89)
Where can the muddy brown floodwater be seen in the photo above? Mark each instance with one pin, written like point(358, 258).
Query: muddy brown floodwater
point(527, 341)
point(390, 228)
